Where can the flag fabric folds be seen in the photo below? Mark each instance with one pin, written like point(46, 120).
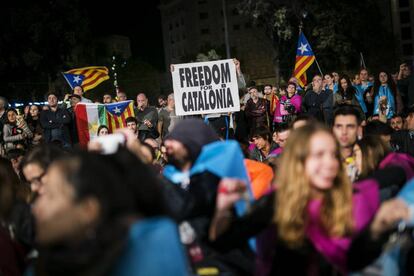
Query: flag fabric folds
point(304, 59)
point(87, 77)
point(116, 113)
point(90, 116)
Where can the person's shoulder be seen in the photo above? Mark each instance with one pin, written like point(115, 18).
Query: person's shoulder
point(85, 100)
point(151, 109)
point(163, 111)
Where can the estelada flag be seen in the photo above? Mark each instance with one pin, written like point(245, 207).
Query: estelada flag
point(304, 59)
point(87, 77)
point(90, 116)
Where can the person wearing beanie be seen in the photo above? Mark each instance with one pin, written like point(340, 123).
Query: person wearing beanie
point(193, 134)
point(191, 199)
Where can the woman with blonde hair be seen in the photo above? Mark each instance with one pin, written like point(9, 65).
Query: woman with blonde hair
point(311, 217)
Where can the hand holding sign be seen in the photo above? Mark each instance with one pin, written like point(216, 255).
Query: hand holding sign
point(237, 63)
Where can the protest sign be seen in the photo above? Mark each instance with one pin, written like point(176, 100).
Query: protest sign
point(205, 87)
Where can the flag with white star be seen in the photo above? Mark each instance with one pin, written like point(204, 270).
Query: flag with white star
point(86, 77)
point(304, 59)
point(89, 116)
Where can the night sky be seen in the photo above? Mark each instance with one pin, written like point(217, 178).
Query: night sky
point(139, 20)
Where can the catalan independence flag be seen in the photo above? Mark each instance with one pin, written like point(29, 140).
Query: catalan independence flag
point(90, 116)
point(116, 113)
point(87, 77)
point(304, 59)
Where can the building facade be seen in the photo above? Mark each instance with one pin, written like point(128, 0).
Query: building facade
point(192, 26)
point(402, 13)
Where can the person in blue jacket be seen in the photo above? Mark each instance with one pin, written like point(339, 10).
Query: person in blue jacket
point(384, 95)
point(362, 89)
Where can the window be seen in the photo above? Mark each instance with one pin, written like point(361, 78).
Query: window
point(405, 33)
point(247, 25)
point(201, 2)
point(235, 11)
point(171, 26)
point(205, 31)
point(404, 3)
point(407, 49)
point(203, 15)
point(404, 17)
point(236, 27)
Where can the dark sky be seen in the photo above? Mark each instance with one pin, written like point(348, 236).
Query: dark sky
point(139, 20)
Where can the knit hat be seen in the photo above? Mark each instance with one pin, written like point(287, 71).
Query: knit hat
point(193, 134)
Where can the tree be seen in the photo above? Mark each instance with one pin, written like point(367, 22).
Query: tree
point(337, 31)
point(36, 41)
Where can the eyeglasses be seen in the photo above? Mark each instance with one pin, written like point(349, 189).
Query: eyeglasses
point(36, 180)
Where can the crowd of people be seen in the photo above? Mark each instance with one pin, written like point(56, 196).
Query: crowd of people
point(315, 180)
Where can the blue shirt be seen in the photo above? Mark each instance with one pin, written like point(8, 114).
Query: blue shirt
point(153, 248)
point(385, 91)
point(359, 95)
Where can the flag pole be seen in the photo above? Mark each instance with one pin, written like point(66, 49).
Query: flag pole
point(317, 64)
point(362, 59)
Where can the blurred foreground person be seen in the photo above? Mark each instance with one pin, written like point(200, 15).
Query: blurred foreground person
point(99, 215)
point(16, 231)
point(309, 221)
point(192, 177)
point(35, 164)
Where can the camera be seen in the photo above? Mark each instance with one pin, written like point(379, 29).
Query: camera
point(290, 108)
point(110, 143)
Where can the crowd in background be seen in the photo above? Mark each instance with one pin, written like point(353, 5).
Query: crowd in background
point(329, 184)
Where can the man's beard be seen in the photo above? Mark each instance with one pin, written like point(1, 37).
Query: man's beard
point(179, 163)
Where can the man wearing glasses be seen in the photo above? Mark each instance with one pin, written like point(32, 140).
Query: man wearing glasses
point(35, 164)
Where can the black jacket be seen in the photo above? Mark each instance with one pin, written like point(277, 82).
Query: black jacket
point(318, 105)
point(403, 141)
point(56, 125)
point(196, 205)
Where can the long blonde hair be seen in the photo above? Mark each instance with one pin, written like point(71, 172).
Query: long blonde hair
point(294, 191)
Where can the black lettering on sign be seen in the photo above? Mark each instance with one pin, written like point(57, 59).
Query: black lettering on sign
point(207, 75)
point(182, 78)
point(188, 77)
point(195, 94)
point(212, 99)
point(200, 75)
point(205, 100)
point(195, 76)
point(200, 101)
point(204, 75)
point(225, 73)
point(229, 98)
point(190, 102)
point(216, 74)
point(219, 98)
point(184, 102)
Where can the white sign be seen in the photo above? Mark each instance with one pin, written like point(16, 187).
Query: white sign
point(205, 87)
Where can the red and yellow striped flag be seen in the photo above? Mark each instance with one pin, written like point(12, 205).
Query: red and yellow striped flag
point(304, 59)
point(87, 77)
point(116, 113)
point(90, 116)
